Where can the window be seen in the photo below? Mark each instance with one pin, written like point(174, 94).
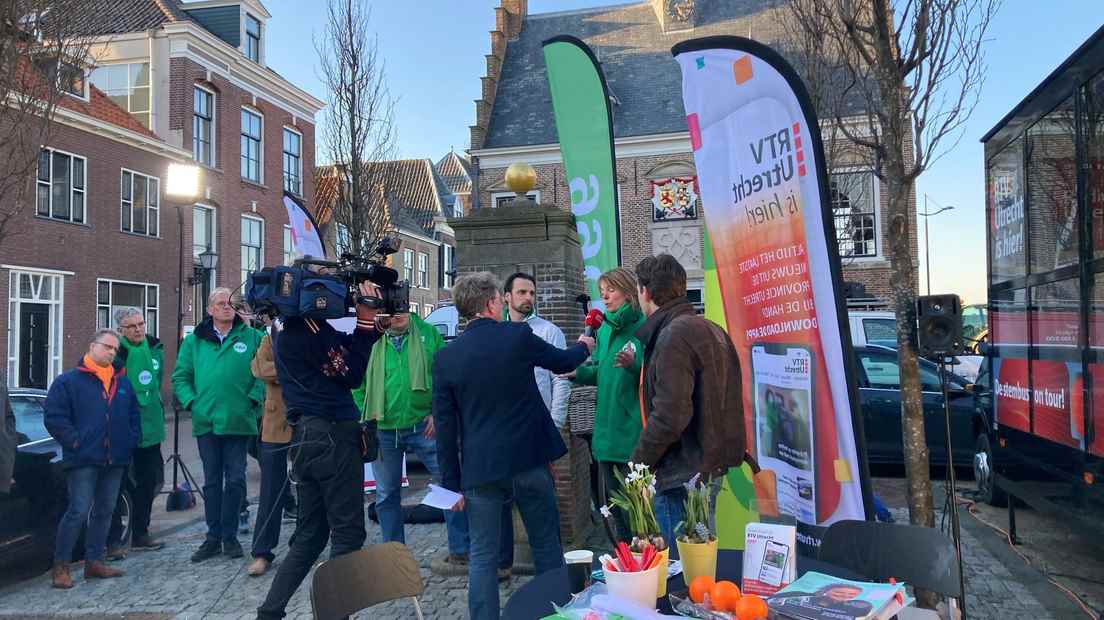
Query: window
point(1051, 187)
point(128, 85)
point(883, 372)
point(881, 332)
point(251, 146)
point(139, 197)
point(852, 196)
point(423, 270)
point(70, 78)
point(252, 245)
point(252, 38)
point(446, 267)
point(427, 309)
point(502, 199)
point(293, 148)
point(30, 417)
point(414, 309)
point(344, 242)
point(203, 239)
point(408, 265)
point(203, 127)
point(289, 247)
point(60, 187)
point(112, 295)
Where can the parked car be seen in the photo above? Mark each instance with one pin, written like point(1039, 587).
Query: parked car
point(880, 402)
point(29, 514)
point(877, 327)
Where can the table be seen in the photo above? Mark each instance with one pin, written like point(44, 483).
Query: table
point(534, 600)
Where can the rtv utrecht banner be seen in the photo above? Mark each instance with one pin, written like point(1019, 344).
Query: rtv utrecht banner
point(305, 238)
point(585, 128)
point(776, 276)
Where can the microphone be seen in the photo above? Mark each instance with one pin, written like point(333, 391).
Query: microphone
point(594, 320)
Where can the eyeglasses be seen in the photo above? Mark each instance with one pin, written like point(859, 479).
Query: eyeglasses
point(109, 347)
point(133, 325)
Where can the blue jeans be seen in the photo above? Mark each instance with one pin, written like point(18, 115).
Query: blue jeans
point(92, 488)
point(223, 459)
point(535, 494)
point(273, 459)
point(670, 510)
point(388, 471)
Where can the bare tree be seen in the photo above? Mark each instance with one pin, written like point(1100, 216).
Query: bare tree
point(360, 129)
point(43, 54)
point(915, 68)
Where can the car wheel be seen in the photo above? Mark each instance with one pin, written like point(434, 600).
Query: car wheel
point(984, 474)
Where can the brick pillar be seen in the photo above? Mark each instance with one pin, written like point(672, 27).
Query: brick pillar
point(540, 240)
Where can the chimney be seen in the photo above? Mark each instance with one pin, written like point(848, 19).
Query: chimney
point(509, 21)
point(675, 15)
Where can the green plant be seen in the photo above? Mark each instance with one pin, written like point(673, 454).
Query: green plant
point(634, 498)
point(695, 529)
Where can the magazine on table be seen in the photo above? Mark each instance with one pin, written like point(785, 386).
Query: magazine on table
point(816, 596)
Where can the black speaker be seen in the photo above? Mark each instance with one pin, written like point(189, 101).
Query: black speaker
point(939, 325)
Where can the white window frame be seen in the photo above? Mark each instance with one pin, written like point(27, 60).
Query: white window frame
point(130, 87)
point(414, 309)
point(85, 93)
point(448, 253)
point(408, 265)
point(427, 309)
point(298, 191)
point(879, 239)
point(242, 246)
point(260, 146)
point(199, 305)
point(214, 125)
point(343, 241)
point(156, 208)
point(57, 319)
point(146, 308)
point(289, 249)
point(533, 194)
point(72, 190)
point(246, 37)
point(423, 270)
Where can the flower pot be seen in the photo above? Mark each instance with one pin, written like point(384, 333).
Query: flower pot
point(698, 559)
point(661, 577)
point(639, 587)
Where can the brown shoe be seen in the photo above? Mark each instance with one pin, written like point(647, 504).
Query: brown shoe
point(99, 570)
point(258, 567)
point(61, 578)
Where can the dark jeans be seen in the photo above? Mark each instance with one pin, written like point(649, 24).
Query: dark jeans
point(329, 477)
point(92, 488)
point(670, 510)
point(223, 459)
point(610, 482)
point(143, 480)
point(273, 459)
point(535, 494)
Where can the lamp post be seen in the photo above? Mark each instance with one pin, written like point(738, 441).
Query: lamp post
point(927, 244)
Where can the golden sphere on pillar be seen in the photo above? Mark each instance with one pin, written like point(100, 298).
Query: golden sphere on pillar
point(520, 178)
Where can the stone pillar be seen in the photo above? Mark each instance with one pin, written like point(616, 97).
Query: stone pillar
point(541, 240)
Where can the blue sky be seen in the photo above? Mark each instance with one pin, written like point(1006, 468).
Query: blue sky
point(435, 56)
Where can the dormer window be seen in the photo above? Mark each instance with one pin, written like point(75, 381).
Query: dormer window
point(70, 78)
point(252, 38)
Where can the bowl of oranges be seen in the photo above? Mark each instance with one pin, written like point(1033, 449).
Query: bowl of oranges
point(718, 600)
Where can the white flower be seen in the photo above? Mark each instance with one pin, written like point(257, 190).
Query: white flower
point(694, 480)
point(631, 466)
point(605, 511)
point(633, 477)
point(640, 467)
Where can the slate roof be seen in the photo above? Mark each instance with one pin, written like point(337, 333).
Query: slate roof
point(118, 16)
point(456, 171)
point(416, 194)
point(636, 59)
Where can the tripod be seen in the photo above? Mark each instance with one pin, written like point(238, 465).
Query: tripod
point(177, 496)
point(952, 494)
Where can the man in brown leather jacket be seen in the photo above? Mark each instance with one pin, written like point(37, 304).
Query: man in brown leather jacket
point(691, 392)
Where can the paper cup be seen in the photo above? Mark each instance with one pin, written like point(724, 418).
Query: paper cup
point(641, 587)
point(578, 569)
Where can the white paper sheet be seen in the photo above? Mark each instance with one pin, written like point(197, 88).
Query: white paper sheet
point(442, 498)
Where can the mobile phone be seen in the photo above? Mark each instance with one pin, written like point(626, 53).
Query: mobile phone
point(773, 567)
point(784, 423)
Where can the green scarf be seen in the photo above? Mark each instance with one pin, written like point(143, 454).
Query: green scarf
point(139, 361)
point(375, 397)
point(625, 315)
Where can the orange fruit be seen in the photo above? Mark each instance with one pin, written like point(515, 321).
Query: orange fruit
point(750, 607)
point(700, 586)
point(724, 595)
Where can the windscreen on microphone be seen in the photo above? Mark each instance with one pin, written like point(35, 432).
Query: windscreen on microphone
point(594, 320)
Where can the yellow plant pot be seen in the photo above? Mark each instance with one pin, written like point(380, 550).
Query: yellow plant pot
point(661, 574)
point(698, 559)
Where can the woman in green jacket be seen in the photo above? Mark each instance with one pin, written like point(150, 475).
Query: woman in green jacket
point(615, 368)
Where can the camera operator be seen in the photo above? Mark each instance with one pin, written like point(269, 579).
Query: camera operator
point(318, 367)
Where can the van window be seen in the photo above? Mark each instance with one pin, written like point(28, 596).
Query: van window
point(881, 332)
point(883, 372)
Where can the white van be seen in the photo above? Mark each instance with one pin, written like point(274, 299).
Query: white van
point(445, 319)
point(873, 327)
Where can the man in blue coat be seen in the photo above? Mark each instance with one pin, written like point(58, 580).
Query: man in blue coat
point(93, 414)
point(495, 437)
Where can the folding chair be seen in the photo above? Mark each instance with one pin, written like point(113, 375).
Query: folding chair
point(358, 580)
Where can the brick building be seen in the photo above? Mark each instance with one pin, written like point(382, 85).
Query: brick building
point(184, 81)
point(515, 123)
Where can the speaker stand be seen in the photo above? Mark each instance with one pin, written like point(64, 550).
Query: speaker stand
point(952, 492)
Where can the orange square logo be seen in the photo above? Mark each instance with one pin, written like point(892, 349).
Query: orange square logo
point(741, 69)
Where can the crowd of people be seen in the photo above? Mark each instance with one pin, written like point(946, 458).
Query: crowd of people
point(484, 415)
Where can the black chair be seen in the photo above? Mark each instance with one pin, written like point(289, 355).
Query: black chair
point(921, 557)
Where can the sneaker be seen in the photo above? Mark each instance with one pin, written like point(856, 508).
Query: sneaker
point(290, 515)
point(258, 567)
point(99, 570)
point(146, 543)
point(115, 553)
point(208, 550)
point(504, 574)
point(232, 549)
point(243, 520)
point(60, 577)
point(460, 559)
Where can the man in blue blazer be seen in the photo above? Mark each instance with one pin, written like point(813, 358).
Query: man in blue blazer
point(495, 437)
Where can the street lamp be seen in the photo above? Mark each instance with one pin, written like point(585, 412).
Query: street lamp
point(927, 245)
point(208, 260)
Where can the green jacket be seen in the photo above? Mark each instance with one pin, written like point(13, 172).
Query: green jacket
point(214, 380)
point(145, 370)
point(405, 407)
point(617, 421)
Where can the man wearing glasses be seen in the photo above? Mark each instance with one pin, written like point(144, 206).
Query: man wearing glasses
point(93, 414)
point(142, 356)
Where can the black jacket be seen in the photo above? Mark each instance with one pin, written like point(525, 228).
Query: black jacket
point(486, 403)
point(318, 367)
